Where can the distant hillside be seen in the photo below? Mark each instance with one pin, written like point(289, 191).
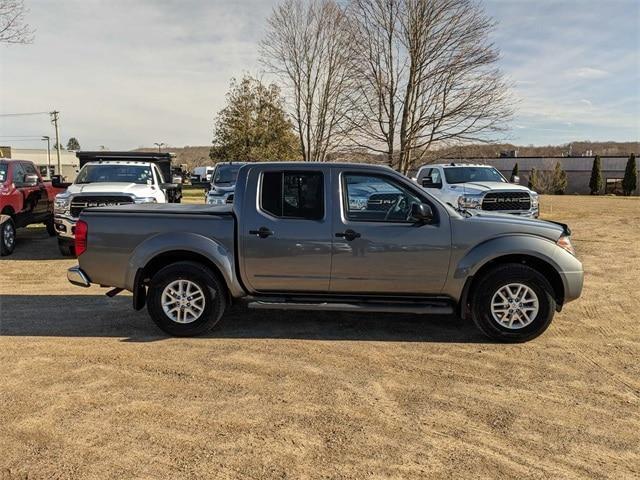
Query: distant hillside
point(192, 156)
point(199, 156)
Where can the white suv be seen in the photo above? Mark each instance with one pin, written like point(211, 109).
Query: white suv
point(480, 187)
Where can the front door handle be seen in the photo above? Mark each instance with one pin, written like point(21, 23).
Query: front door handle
point(262, 232)
point(348, 235)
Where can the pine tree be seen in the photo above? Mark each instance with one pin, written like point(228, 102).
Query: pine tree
point(73, 144)
point(253, 126)
point(533, 180)
point(595, 183)
point(559, 180)
point(515, 172)
point(630, 179)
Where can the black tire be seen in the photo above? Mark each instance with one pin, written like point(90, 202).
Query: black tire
point(489, 284)
point(51, 227)
point(7, 237)
point(215, 298)
point(67, 249)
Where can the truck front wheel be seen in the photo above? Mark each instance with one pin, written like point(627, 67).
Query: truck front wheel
point(7, 236)
point(186, 299)
point(513, 303)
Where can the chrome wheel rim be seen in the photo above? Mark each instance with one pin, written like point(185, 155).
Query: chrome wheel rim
point(8, 235)
point(183, 301)
point(514, 306)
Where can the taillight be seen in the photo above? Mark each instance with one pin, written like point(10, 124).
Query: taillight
point(82, 229)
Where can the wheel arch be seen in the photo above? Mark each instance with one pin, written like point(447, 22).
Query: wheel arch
point(536, 253)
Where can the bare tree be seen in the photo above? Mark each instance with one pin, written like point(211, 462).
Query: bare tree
point(13, 28)
point(427, 77)
point(307, 44)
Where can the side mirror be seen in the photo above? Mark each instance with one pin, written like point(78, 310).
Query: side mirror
point(421, 212)
point(428, 183)
point(515, 179)
point(56, 181)
point(30, 180)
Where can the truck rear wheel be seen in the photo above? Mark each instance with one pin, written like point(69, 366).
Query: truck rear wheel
point(186, 299)
point(7, 236)
point(513, 303)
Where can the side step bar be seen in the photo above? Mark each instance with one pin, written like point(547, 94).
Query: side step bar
point(436, 308)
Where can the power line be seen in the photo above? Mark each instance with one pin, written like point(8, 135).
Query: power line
point(23, 114)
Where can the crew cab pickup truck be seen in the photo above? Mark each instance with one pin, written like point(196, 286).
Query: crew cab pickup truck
point(480, 187)
point(295, 239)
point(25, 198)
point(113, 178)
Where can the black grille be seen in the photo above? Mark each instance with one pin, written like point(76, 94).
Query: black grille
point(81, 202)
point(506, 201)
point(230, 198)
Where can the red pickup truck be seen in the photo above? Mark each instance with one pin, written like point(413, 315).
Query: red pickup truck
point(24, 199)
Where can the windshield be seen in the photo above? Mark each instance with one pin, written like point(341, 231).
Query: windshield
point(473, 174)
point(3, 172)
point(226, 174)
point(140, 174)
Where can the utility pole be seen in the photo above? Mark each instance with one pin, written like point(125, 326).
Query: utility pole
point(160, 145)
point(48, 139)
point(54, 120)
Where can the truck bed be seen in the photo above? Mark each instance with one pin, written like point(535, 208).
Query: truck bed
point(167, 209)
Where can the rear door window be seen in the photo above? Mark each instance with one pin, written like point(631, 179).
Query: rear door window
point(293, 194)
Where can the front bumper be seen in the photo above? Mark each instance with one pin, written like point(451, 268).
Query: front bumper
point(77, 277)
point(65, 226)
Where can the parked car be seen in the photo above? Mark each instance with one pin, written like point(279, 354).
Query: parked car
point(25, 198)
point(112, 178)
point(293, 239)
point(223, 183)
point(479, 187)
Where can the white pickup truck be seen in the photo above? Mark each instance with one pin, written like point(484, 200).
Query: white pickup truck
point(478, 187)
point(111, 180)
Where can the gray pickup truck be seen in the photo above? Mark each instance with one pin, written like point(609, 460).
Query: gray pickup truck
point(336, 237)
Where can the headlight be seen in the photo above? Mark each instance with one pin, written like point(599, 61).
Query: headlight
point(535, 202)
point(215, 200)
point(145, 200)
point(356, 203)
point(564, 242)
point(61, 204)
point(470, 201)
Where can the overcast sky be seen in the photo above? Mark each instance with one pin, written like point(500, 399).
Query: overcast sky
point(128, 73)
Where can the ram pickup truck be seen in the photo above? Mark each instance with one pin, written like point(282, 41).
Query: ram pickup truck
point(25, 198)
point(113, 178)
point(480, 187)
point(301, 237)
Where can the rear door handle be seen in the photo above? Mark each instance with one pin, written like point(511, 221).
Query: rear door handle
point(262, 232)
point(348, 235)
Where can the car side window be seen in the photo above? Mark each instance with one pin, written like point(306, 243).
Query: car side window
point(435, 176)
point(29, 169)
point(18, 174)
point(372, 198)
point(293, 194)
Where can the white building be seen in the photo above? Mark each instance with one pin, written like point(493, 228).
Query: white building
point(68, 160)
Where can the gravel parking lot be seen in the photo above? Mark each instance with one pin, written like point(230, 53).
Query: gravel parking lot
point(91, 389)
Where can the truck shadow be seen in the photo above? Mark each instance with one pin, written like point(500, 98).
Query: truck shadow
point(99, 316)
point(34, 243)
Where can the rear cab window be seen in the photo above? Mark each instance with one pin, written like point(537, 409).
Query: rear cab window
point(293, 194)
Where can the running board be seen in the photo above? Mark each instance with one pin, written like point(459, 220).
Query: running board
point(436, 308)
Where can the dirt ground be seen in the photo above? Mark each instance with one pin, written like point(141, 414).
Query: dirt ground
point(91, 389)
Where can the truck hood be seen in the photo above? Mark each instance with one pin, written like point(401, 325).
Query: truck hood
point(132, 188)
point(481, 187)
point(513, 224)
